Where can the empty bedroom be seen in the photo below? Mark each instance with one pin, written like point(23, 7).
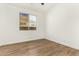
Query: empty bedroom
point(39, 29)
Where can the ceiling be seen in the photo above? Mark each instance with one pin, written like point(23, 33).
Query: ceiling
point(37, 6)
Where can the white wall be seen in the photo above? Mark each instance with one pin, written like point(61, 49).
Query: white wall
point(9, 25)
point(63, 24)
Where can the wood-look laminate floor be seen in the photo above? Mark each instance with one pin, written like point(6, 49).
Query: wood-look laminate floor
point(40, 47)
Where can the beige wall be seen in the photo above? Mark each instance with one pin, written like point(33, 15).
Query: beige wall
point(63, 24)
point(9, 25)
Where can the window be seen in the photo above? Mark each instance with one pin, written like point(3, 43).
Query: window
point(27, 22)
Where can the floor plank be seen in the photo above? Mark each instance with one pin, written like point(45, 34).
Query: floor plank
point(42, 47)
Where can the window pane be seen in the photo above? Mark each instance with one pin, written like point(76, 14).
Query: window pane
point(32, 21)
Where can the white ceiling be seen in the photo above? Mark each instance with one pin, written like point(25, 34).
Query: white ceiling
point(37, 6)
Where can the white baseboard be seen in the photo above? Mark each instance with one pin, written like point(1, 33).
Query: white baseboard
point(25, 40)
point(63, 43)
